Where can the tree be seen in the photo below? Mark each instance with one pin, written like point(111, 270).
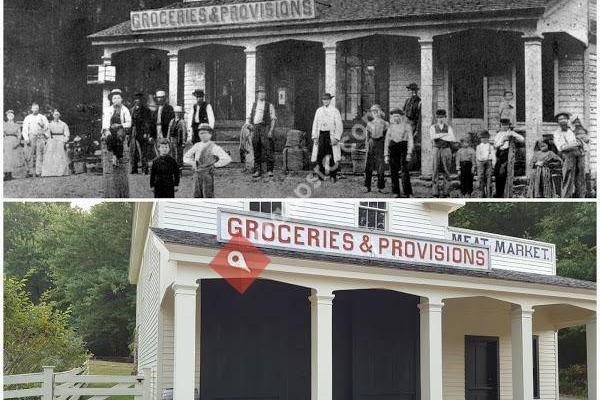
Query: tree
point(570, 226)
point(36, 334)
point(89, 272)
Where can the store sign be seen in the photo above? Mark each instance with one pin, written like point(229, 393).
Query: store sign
point(349, 242)
point(505, 246)
point(226, 14)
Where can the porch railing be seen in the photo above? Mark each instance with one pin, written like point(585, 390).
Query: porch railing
point(73, 384)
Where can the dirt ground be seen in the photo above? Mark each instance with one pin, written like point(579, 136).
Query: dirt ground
point(229, 182)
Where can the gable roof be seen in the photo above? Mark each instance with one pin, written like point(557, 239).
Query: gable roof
point(339, 11)
point(195, 239)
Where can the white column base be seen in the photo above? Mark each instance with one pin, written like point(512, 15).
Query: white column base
point(431, 349)
point(321, 306)
point(185, 341)
point(426, 106)
point(522, 353)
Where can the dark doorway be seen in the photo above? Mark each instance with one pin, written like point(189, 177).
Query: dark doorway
point(256, 345)
point(294, 71)
point(481, 368)
point(375, 346)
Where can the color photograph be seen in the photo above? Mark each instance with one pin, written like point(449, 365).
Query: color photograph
point(298, 299)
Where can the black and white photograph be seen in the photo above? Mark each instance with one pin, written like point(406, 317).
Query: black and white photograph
point(300, 98)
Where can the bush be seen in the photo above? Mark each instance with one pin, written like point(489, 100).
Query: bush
point(36, 335)
point(573, 380)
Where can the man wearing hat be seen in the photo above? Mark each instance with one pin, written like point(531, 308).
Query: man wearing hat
point(177, 135)
point(141, 118)
point(326, 134)
point(35, 133)
point(162, 116)
point(202, 114)
point(261, 121)
point(376, 129)
point(442, 136)
point(485, 156)
point(571, 148)
point(412, 107)
point(398, 150)
point(505, 144)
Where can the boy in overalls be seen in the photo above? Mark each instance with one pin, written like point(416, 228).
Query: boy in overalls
point(204, 157)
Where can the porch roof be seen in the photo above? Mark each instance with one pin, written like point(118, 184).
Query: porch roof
point(196, 239)
point(345, 11)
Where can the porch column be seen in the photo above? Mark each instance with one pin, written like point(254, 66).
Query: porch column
point(321, 342)
point(106, 61)
point(185, 340)
point(522, 353)
point(330, 67)
point(426, 105)
point(173, 76)
point(431, 348)
point(250, 77)
point(533, 93)
point(592, 371)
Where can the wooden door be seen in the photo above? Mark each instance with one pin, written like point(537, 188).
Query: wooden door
point(481, 368)
point(256, 345)
point(385, 346)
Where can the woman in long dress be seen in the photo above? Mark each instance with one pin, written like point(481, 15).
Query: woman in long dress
point(12, 140)
point(541, 183)
point(115, 151)
point(56, 160)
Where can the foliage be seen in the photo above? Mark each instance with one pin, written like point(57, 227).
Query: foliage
point(573, 380)
point(571, 226)
point(76, 260)
point(36, 334)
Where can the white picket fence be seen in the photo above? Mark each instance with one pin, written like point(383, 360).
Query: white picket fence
point(71, 385)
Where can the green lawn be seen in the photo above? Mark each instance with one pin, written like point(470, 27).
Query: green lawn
point(99, 367)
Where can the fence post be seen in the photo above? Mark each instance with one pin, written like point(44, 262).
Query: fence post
point(147, 373)
point(47, 383)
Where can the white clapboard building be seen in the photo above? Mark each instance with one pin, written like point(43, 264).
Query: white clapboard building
point(462, 54)
point(359, 300)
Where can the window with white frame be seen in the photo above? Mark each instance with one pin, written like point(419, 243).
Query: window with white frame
point(372, 215)
point(267, 207)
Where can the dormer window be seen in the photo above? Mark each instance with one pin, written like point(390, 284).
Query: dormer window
point(267, 207)
point(372, 215)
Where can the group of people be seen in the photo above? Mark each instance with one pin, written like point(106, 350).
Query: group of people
point(391, 143)
point(157, 135)
point(42, 144)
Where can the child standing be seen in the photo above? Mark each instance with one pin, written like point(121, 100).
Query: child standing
point(485, 156)
point(165, 173)
point(465, 165)
point(541, 183)
point(204, 157)
point(507, 109)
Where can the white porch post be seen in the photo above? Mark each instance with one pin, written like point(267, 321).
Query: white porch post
point(426, 105)
point(321, 306)
point(522, 353)
point(173, 76)
point(592, 371)
point(185, 340)
point(431, 349)
point(106, 61)
point(330, 67)
point(533, 92)
point(250, 77)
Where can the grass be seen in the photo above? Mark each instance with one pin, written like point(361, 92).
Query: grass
point(99, 367)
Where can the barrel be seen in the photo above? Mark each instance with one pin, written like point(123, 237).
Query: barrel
point(359, 161)
point(294, 138)
point(293, 159)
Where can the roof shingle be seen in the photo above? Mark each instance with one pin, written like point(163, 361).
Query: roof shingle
point(328, 11)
